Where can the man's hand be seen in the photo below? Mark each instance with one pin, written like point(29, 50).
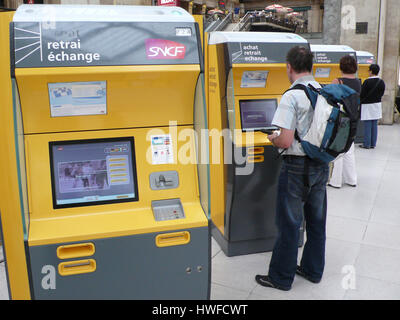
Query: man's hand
point(273, 136)
point(283, 140)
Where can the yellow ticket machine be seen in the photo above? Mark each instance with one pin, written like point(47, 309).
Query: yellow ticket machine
point(364, 60)
point(246, 78)
point(108, 103)
point(326, 66)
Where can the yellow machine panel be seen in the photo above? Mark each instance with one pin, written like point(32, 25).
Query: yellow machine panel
point(12, 220)
point(129, 94)
point(49, 225)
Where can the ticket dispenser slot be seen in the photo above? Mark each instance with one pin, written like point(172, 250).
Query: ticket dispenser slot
point(75, 250)
point(170, 209)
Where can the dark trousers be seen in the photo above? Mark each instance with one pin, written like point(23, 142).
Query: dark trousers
point(292, 206)
point(370, 133)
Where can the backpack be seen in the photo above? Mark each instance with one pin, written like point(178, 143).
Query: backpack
point(334, 125)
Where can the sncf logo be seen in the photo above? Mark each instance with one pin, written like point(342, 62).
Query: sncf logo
point(164, 49)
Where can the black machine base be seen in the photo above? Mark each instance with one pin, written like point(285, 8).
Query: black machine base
point(237, 248)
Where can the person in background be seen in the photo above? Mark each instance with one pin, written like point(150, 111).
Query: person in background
point(372, 91)
point(344, 168)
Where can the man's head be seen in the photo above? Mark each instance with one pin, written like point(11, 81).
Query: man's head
point(348, 65)
point(299, 63)
point(374, 69)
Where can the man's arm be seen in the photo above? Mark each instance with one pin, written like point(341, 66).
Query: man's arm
point(284, 140)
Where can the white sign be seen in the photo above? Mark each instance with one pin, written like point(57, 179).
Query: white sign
point(161, 149)
point(322, 72)
point(78, 98)
point(254, 79)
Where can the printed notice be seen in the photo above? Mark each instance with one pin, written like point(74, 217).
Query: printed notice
point(161, 149)
point(322, 72)
point(322, 57)
point(78, 98)
point(254, 79)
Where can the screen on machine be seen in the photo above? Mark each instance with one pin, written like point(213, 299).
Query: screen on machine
point(257, 114)
point(91, 172)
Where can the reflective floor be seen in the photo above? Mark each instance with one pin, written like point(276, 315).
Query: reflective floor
point(363, 239)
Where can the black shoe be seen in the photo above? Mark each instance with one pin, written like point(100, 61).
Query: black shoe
point(364, 147)
point(301, 273)
point(265, 281)
point(351, 185)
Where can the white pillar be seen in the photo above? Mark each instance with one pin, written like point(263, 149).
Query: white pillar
point(382, 31)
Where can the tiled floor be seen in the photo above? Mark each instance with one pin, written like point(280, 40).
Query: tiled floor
point(363, 240)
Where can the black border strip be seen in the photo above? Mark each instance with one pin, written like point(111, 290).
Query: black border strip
point(199, 47)
point(12, 51)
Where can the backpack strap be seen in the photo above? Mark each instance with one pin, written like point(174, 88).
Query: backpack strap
point(308, 90)
point(313, 99)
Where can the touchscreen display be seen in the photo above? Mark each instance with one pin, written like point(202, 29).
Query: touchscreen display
point(257, 114)
point(89, 172)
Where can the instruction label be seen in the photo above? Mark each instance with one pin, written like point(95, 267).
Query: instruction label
point(161, 149)
point(258, 52)
point(254, 79)
point(78, 98)
point(322, 72)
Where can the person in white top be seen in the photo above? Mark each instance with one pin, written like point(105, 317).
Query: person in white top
point(372, 92)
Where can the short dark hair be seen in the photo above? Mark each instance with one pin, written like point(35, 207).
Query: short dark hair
point(374, 68)
point(348, 64)
point(301, 59)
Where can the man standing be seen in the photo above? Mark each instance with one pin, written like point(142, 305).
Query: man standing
point(301, 192)
point(372, 92)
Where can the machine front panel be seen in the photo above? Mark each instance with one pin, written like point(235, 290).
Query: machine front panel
point(124, 268)
point(107, 218)
point(83, 98)
point(256, 195)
